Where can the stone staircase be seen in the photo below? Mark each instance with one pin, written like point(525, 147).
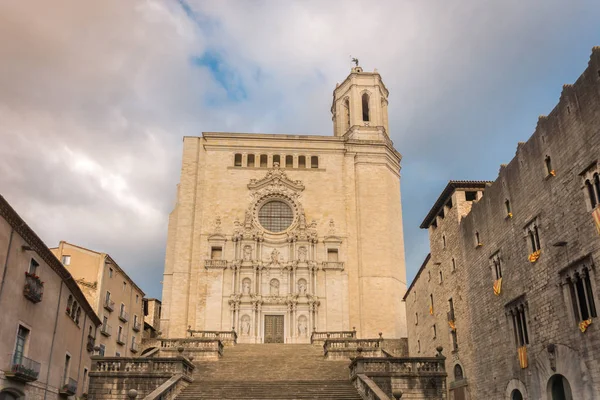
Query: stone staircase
point(271, 371)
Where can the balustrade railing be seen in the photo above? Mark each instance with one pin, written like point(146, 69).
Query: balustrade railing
point(333, 265)
point(373, 366)
point(368, 389)
point(215, 263)
point(22, 368)
point(172, 365)
point(322, 336)
point(347, 348)
point(69, 387)
point(221, 335)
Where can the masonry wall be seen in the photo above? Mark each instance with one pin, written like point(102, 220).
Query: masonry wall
point(570, 136)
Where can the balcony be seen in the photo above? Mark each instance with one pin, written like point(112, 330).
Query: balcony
point(215, 264)
point(91, 341)
point(34, 288)
point(109, 305)
point(134, 347)
point(336, 265)
point(22, 369)
point(137, 326)
point(69, 388)
point(106, 330)
point(123, 316)
point(121, 338)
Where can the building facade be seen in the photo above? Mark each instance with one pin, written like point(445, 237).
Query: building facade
point(511, 283)
point(278, 235)
point(48, 328)
point(152, 314)
point(116, 299)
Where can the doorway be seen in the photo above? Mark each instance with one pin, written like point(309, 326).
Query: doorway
point(274, 329)
point(559, 388)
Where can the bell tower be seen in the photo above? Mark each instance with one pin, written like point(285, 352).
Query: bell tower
point(359, 108)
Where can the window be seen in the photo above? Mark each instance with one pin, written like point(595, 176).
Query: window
point(497, 265)
point(289, 161)
point(458, 373)
point(263, 161)
point(33, 266)
point(107, 298)
point(444, 241)
point(302, 162)
point(591, 193)
point(332, 255)
point(69, 304)
point(117, 354)
point(470, 196)
point(275, 216)
point(66, 260)
point(122, 309)
point(418, 346)
point(516, 395)
point(533, 237)
point(237, 161)
point(134, 319)
point(346, 114)
point(434, 330)
point(428, 276)
point(21, 344)
point(441, 277)
point(83, 384)
point(548, 162)
point(110, 272)
point(120, 334)
point(477, 240)
point(416, 318)
point(449, 203)
point(250, 160)
point(216, 253)
point(454, 339)
point(508, 209)
point(451, 308)
point(314, 162)
point(65, 378)
point(518, 318)
point(453, 265)
point(133, 342)
point(137, 298)
point(124, 286)
point(580, 291)
point(431, 304)
point(365, 107)
point(102, 350)
point(597, 186)
point(74, 310)
point(277, 159)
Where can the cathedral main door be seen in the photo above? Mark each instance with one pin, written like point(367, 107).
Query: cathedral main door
point(274, 329)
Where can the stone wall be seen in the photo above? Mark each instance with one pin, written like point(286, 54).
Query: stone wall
point(555, 198)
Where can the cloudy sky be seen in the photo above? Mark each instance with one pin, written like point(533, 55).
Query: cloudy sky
point(96, 96)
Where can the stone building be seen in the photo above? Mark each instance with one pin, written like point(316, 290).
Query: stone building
point(116, 299)
point(152, 313)
point(48, 327)
point(510, 284)
point(280, 235)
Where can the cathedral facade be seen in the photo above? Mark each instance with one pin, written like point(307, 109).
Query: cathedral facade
point(276, 236)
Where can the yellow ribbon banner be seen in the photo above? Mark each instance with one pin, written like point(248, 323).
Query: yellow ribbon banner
point(497, 286)
point(583, 325)
point(452, 326)
point(431, 310)
point(596, 215)
point(533, 257)
point(522, 357)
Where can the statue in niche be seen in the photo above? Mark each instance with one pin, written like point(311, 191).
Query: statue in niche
point(302, 326)
point(302, 221)
point(302, 287)
point(274, 287)
point(302, 253)
point(247, 253)
point(248, 219)
point(275, 257)
point(245, 325)
point(246, 286)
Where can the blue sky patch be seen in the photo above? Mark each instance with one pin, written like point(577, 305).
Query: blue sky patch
point(223, 73)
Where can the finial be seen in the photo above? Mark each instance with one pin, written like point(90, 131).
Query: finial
point(354, 60)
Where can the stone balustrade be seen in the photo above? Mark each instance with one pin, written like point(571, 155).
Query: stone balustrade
point(195, 348)
point(222, 264)
point(113, 377)
point(320, 337)
point(336, 349)
point(368, 389)
point(228, 338)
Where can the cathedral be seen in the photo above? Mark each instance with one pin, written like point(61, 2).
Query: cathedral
point(276, 236)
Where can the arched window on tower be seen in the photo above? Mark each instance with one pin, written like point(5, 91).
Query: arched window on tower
point(365, 107)
point(549, 168)
point(597, 186)
point(238, 160)
point(347, 114)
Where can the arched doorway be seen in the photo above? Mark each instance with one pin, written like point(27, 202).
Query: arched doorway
point(559, 388)
point(6, 395)
point(516, 395)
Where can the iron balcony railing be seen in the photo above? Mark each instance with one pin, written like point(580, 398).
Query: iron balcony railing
point(69, 388)
point(22, 368)
point(121, 338)
point(106, 330)
point(137, 326)
point(34, 288)
point(134, 347)
point(123, 316)
point(109, 305)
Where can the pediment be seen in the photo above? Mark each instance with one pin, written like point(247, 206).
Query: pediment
point(276, 178)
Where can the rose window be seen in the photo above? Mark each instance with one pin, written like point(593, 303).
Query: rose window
point(276, 216)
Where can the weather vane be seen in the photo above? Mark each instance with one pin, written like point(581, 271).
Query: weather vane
point(354, 60)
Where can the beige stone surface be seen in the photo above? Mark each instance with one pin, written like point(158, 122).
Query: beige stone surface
point(349, 202)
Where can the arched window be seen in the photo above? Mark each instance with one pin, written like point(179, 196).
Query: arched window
point(548, 162)
point(597, 185)
point(559, 388)
point(6, 395)
point(78, 315)
point(477, 240)
point(263, 161)
point(277, 159)
point(314, 162)
point(532, 240)
point(250, 161)
point(69, 304)
point(74, 310)
point(453, 265)
point(289, 161)
point(444, 240)
point(302, 162)
point(365, 107)
point(347, 114)
point(508, 209)
point(237, 162)
point(516, 395)
point(458, 373)
point(90, 332)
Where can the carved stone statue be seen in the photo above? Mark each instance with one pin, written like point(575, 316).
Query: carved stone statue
point(275, 257)
point(248, 219)
point(302, 287)
point(246, 286)
point(274, 287)
point(302, 326)
point(247, 253)
point(302, 253)
point(302, 221)
point(245, 325)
